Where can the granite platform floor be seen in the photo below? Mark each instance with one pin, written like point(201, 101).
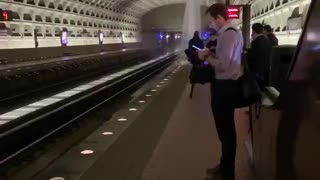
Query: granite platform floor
point(190, 145)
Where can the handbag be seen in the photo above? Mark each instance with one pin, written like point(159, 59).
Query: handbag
point(249, 90)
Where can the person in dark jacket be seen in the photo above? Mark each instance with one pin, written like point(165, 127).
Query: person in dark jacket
point(259, 55)
point(195, 41)
point(268, 32)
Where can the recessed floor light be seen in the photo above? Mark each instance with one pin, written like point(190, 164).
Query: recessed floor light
point(166, 79)
point(141, 101)
point(87, 152)
point(153, 90)
point(162, 82)
point(158, 86)
point(57, 178)
point(107, 133)
point(133, 109)
point(122, 119)
point(148, 95)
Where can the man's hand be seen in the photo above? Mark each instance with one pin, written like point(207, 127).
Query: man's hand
point(202, 54)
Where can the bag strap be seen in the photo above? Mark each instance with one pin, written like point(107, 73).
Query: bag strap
point(191, 91)
point(231, 28)
point(244, 60)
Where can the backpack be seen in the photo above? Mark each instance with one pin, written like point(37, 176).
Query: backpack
point(201, 73)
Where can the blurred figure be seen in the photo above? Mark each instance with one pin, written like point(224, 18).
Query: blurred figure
point(212, 43)
point(191, 51)
point(267, 30)
point(259, 55)
point(196, 41)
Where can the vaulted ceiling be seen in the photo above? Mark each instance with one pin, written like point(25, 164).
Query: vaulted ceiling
point(140, 7)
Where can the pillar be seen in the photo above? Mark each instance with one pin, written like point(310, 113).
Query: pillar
point(246, 17)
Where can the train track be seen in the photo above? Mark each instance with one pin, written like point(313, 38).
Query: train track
point(27, 132)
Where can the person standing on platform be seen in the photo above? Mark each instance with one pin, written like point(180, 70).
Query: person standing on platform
point(268, 32)
point(259, 55)
point(195, 41)
point(228, 69)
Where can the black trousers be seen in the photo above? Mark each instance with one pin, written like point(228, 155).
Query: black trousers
point(223, 94)
point(263, 79)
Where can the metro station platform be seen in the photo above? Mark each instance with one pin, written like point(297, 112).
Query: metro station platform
point(189, 144)
point(167, 136)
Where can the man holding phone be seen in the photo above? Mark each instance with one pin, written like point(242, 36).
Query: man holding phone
point(224, 89)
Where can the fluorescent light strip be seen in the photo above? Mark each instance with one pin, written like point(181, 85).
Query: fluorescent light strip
point(67, 94)
point(27, 109)
point(3, 121)
point(13, 115)
point(45, 102)
point(97, 82)
point(6, 117)
point(82, 88)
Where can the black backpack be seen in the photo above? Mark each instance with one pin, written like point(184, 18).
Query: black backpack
point(201, 73)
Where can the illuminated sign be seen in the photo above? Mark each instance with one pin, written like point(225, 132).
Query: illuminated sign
point(233, 12)
point(5, 15)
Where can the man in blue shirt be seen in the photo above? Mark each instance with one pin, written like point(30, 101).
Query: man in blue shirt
point(224, 89)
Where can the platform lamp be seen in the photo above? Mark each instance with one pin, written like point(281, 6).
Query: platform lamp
point(35, 33)
point(64, 40)
point(101, 38)
point(64, 37)
point(122, 40)
point(160, 38)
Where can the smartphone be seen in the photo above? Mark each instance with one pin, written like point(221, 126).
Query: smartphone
point(196, 48)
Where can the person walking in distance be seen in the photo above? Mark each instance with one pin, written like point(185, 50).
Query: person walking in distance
point(224, 89)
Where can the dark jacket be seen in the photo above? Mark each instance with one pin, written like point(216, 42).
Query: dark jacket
point(212, 45)
point(196, 42)
point(273, 39)
point(192, 52)
point(259, 55)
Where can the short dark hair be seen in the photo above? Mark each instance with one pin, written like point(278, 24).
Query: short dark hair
point(257, 28)
point(218, 9)
point(267, 28)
